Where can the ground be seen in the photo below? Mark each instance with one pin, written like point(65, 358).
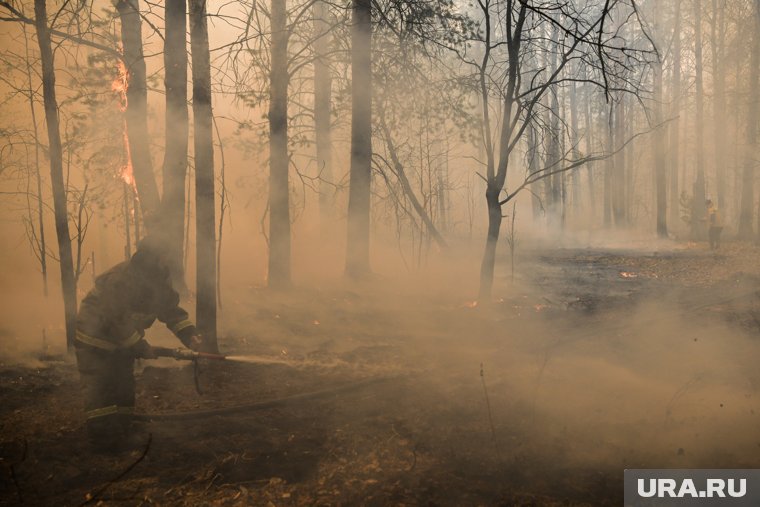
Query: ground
point(588, 362)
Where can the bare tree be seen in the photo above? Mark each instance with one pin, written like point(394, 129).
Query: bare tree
point(175, 157)
point(717, 46)
point(204, 175)
point(748, 174)
point(357, 246)
point(508, 56)
point(698, 203)
point(279, 160)
point(68, 282)
point(660, 169)
point(323, 107)
point(674, 137)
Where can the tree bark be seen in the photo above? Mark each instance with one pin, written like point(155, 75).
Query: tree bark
point(137, 106)
point(204, 176)
point(68, 282)
point(323, 110)
point(279, 203)
point(175, 159)
point(357, 246)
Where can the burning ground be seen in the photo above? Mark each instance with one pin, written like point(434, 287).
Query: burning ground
point(593, 361)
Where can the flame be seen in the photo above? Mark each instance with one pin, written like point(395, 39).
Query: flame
point(120, 85)
point(127, 173)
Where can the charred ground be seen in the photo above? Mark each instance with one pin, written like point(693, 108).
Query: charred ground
point(595, 361)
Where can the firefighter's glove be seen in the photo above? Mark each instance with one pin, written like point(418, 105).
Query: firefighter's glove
point(196, 343)
point(144, 350)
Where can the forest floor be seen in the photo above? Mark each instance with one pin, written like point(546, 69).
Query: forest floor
point(589, 362)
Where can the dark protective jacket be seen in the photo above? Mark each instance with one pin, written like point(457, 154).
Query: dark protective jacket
point(125, 301)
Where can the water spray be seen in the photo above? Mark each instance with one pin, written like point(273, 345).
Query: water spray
point(182, 354)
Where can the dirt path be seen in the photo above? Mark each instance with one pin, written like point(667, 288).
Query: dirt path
point(591, 362)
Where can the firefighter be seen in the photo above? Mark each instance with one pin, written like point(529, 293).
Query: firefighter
point(111, 325)
point(713, 224)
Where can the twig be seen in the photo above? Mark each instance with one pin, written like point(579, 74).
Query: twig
point(488, 406)
point(121, 475)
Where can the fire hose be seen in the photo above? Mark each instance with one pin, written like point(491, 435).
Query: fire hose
point(182, 354)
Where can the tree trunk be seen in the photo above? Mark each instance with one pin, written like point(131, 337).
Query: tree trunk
point(660, 179)
point(698, 204)
point(533, 161)
point(279, 203)
point(497, 175)
point(492, 239)
point(609, 168)
point(619, 172)
point(204, 176)
point(630, 175)
point(748, 175)
point(175, 160)
point(588, 145)
point(37, 173)
point(675, 125)
point(357, 246)
point(322, 110)
point(137, 105)
point(718, 32)
point(553, 150)
point(574, 146)
point(68, 283)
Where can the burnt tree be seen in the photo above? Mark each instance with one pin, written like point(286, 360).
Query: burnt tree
point(175, 157)
point(136, 114)
point(279, 160)
point(357, 246)
point(204, 176)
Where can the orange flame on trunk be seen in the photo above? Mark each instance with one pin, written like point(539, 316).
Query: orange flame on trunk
point(120, 85)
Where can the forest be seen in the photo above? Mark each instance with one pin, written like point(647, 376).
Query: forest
point(452, 252)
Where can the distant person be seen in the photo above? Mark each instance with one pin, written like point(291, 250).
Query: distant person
point(111, 325)
point(714, 227)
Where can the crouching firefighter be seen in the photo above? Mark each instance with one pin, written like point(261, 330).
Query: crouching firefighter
point(111, 325)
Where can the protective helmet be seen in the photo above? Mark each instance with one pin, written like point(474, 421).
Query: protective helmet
point(150, 259)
